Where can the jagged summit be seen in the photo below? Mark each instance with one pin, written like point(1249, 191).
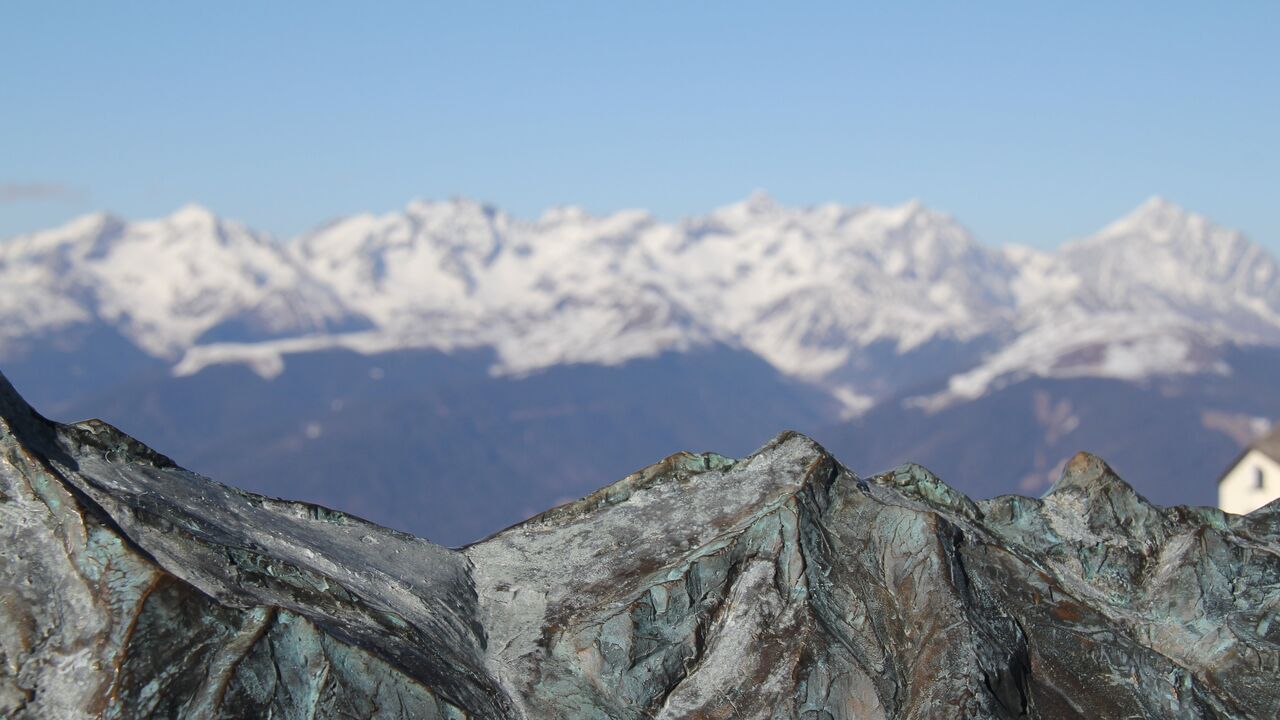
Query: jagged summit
point(1156, 220)
point(776, 586)
point(1159, 221)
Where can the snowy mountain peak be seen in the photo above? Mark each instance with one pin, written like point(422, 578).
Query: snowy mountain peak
point(89, 224)
point(759, 201)
point(910, 219)
point(1157, 220)
point(1161, 238)
point(1149, 294)
point(192, 214)
point(911, 211)
point(1157, 204)
point(165, 284)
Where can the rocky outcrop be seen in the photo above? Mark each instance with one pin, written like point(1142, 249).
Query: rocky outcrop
point(776, 586)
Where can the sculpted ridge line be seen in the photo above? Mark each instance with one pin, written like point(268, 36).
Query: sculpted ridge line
point(776, 586)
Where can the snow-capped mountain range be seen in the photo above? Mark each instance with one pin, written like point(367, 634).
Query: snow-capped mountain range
point(831, 295)
point(168, 285)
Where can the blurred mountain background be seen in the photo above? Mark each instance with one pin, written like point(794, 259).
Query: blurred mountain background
point(450, 369)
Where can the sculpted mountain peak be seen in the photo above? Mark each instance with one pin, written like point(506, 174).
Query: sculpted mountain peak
point(780, 585)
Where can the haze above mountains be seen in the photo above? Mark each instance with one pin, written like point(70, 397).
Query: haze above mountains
point(551, 350)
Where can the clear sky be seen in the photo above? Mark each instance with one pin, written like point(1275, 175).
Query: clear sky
point(1031, 122)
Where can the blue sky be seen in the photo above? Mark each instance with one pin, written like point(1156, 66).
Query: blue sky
point(1031, 123)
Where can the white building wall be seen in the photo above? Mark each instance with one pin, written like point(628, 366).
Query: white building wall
point(1239, 492)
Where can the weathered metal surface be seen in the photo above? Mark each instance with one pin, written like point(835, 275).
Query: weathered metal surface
point(777, 586)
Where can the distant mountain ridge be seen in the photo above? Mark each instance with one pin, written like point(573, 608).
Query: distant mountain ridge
point(817, 292)
point(449, 369)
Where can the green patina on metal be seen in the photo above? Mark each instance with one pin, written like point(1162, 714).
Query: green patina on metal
point(778, 586)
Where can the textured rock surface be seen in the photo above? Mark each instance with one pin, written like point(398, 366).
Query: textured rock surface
point(777, 586)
